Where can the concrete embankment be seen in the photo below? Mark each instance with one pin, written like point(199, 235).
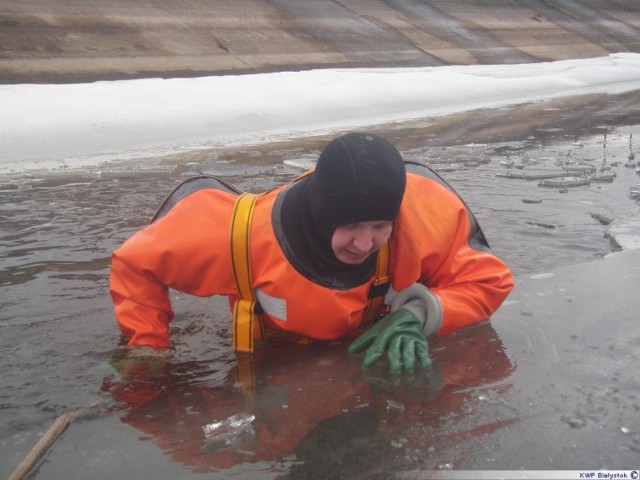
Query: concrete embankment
point(84, 40)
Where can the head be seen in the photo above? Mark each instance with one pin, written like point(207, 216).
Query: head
point(354, 195)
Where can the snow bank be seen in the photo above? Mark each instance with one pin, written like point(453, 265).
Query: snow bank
point(86, 123)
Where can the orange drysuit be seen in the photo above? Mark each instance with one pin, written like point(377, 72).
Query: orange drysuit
point(436, 242)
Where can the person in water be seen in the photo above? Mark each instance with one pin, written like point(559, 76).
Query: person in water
point(366, 244)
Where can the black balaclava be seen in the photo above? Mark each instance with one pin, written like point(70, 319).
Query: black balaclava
point(359, 177)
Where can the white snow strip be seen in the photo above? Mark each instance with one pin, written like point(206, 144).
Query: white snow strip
point(88, 123)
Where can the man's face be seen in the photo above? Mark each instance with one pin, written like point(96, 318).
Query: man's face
point(353, 243)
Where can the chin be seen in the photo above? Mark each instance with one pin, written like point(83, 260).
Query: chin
point(352, 261)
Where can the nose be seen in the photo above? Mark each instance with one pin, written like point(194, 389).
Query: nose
point(363, 239)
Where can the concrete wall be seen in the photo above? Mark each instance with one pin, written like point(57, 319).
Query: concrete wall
point(79, 40)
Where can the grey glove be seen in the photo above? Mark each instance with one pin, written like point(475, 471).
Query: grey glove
point(423, 304)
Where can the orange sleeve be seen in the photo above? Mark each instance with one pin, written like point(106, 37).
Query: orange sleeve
point(471, 284)
point(438, 247)
point(186, 250)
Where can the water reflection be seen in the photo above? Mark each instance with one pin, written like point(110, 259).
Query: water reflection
point(315, 409)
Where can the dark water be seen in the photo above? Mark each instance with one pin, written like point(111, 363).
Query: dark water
point(317, 416)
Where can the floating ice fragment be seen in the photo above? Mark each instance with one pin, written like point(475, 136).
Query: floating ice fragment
point(396, 444)
point(234, 422)
point(232, 432)
point(392, 405)
point(574, 422)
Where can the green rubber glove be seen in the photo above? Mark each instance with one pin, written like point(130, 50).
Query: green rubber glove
point(137, 375)
point(400, 335)
point(133, 363)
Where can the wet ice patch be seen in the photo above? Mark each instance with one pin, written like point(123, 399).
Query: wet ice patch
point(541, 276)
point(626, 233)
point(301, 163)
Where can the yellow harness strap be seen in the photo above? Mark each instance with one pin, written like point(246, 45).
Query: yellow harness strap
point(247, 324)
point(380, 285)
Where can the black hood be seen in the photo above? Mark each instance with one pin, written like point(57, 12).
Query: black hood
point(359, 177)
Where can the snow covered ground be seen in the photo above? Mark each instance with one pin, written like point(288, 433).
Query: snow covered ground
point(79, 125)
